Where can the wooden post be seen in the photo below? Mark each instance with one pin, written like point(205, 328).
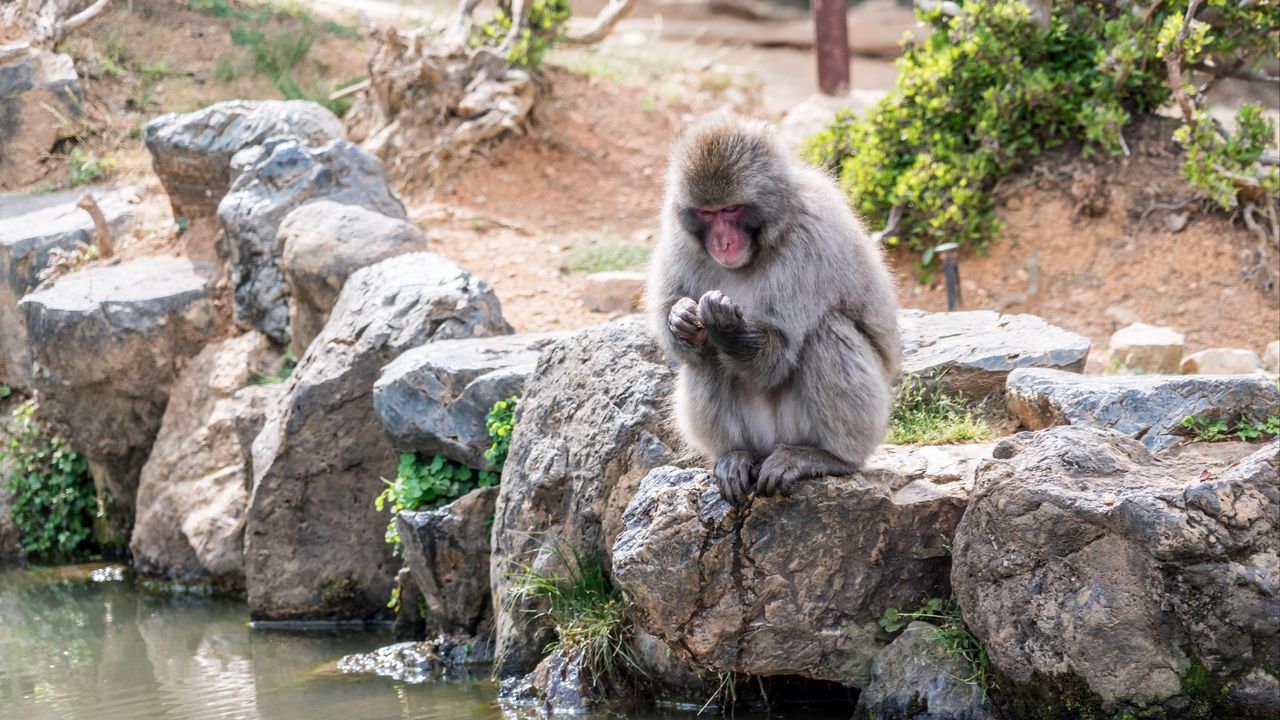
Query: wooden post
point(831, 35)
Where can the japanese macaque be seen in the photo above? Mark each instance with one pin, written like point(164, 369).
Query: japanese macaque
point(778, 307)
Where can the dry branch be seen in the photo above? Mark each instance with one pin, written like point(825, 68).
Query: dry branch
point(603, 24)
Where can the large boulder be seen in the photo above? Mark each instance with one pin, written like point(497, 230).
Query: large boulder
point(589, 426)
point(973, 352)
point(433, 400)
point(107, 344)
point(1149, 408)
point(447, 553)
point(1096, 573)
point(323, 243)
point(915, 678)
point(191, 152)
point(38, 91)
point(194, 488)
point(272, 179)
point(794, 585)
point(32, 227)
point(314, 544)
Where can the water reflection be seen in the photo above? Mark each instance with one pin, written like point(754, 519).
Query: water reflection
point(72, 647)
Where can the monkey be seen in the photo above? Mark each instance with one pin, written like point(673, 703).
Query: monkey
point(778, 308)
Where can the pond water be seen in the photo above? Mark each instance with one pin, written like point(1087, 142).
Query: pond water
point(89, 642)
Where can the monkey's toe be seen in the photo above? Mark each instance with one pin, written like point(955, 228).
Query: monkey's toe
point(734, 471)
point(778, 476)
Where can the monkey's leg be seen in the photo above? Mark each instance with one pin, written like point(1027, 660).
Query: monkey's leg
point(790, 463)
point(734, 472)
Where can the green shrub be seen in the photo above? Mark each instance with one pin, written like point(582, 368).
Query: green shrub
point(83, 168)
point(547, 19)
point(427, 485)
point(922, 417)
point(953, 635)
point(989, 91)
point(53, 496)
point(500, 422)
point(586, 612)
point(1203, 429)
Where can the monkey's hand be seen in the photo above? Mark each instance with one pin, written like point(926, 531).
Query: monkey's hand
point(685, 324)
point(720, 314)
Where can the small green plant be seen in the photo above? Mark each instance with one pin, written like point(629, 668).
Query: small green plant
point(602, 256)
point(288, 363)
point(244, 37)
point(547, 19)
point(337, 29)
point(5, 391)
point(83, 168)
point(110, 66)
point(53, 497)
point(922, 417)
point(500, 422)
point(956, 639)
point(1204, 429)
point(148, 76)
point(426, 485)
point(226, 70)
point(585, 611)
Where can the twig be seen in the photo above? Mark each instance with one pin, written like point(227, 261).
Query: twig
point(1142, 219)
point(890, 227)
point(1239, 73)
point(1173, 64)
point(350, 89)
point(84, 16)
point(460, 30)
point(602, 25)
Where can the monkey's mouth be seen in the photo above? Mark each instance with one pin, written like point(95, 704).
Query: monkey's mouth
point(730, 250)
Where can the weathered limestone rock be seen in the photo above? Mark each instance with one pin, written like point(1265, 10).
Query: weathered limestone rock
point(191, 152)
point(613, 291)
point(589, 425)
point(433, 399)
point(1147, 408)
point(194, 488)
point(914, 679)
point(324, 242)
point(314, 543)
point(35, 89)
point(1145, 348)
point(1221, 361)
point(419, 662)
point(27, 236)
point(972, 352)
point(1271, 358)
point(447, 553)
point(107, 344)
point(272, 179)
point(792, 586)
point(1083, 555)
point(816, 113)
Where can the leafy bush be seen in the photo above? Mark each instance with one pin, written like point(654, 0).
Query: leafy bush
point(586, 612)
point(547, 19)
point(923, 417)
point(1205, 429)
point(989, 91)
point(953, 635)
point(499, 422)
point(54, 502)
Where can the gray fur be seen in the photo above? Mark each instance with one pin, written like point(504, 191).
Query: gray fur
point(798, 350)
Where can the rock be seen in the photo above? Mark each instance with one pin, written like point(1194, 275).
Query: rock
point(193, 490)
point(561, 685)
point(972, 352)
point(191, 152)
point(1271, 357)
point(914, 679)
point(324, 242)
point(271, 180)
point(589, 426)
point(409, 623)
point(40, 225)
point(419, 662)
point(1088, 566)
point(433, 399)
point(1221, 361)
point(613, 291)
point(38, 90)
point(1146, 408)
point(1146, 348)
point(817, 112)
point(107, 343)
point(792, 586)
point(447, 552)
point(314, 545)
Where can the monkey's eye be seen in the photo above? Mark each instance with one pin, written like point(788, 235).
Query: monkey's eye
point(732, 209)
point(705, 216)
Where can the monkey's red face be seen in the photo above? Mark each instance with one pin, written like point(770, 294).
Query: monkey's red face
point(725, 235)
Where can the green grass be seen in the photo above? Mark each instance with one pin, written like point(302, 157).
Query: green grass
point(586, 612)
point(83, 168)
point(955, 638)
point(288, 361)
point(921, 417)
point(604, 256)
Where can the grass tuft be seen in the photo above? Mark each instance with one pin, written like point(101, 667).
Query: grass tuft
point(604, 256)
point(921, 417)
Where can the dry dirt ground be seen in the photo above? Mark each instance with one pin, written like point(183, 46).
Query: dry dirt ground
point(590, 173)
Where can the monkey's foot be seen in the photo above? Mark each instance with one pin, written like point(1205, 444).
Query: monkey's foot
point(789, 464)
point(734, 473)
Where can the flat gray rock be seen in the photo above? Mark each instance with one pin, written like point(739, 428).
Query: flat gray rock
point(972, 352)
point(1149, 408)
point(433, 400)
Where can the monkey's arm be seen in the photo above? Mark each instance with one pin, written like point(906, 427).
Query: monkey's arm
point(752, 349)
